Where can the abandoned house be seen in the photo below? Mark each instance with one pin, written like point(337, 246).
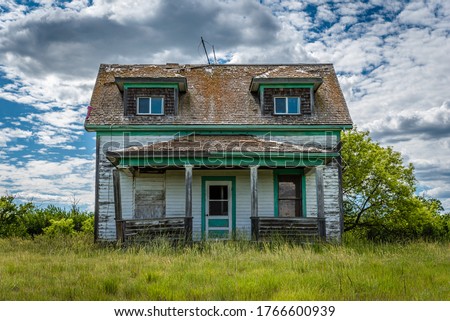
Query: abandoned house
point(203, 152)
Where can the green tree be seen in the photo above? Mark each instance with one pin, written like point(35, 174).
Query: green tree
point(379, 193)
point(11, 216)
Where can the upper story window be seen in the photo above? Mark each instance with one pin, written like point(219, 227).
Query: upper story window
point(150, 106)
point(145, 97)
point(286, 96)
point(287, 105)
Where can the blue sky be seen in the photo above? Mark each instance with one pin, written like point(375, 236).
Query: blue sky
point(391, 58)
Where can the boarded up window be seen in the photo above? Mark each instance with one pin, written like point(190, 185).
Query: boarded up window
point(150, 204)
point(150, 197)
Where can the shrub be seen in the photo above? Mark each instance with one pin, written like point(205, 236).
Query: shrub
point(11, 216)
point(88, 225)
point(64, 226)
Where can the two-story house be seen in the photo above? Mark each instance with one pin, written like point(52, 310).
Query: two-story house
point(218, 151)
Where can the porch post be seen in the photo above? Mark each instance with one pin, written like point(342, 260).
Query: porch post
point(188, 202)
point(254, 201)
point(320, 201)
point(118, 206)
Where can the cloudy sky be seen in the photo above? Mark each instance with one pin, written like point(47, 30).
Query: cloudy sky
point(392, 59)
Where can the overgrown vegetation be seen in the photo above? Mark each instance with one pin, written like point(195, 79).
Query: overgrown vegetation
point(27, 220)
point(74, 268)
point(379, 195)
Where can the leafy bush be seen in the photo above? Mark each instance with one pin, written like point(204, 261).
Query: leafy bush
point(11, 216)
point(88, 225)
point(27, 220)
point(64, 226)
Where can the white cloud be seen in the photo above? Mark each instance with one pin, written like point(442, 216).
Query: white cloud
point(17, 148)
point(50, 181)
point(9, 134)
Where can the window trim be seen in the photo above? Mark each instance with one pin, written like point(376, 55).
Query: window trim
point(286, 105)
point(297, 171)
point(150, 106)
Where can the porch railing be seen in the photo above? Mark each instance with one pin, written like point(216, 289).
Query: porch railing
point(287, 228)
point(177, 229)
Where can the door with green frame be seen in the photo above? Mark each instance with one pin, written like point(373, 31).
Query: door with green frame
point(218, 217)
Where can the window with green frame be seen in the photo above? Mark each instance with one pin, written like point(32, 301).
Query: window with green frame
point(150, 106)
point(289, 195)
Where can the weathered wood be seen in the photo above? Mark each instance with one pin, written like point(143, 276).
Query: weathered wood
point(117, 204)
point(320, 193)
point(188, 229)
point(188, 183)
point(254, 190)
point(255, 228)
point(294, 229)
point(146, 230)
point(97, 188)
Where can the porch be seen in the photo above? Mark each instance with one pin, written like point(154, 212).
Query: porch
point(179, 229)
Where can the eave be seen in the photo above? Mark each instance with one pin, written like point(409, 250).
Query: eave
point(180, 82)
point(287, 82)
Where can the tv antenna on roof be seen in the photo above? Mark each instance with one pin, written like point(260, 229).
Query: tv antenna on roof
point(206, 52)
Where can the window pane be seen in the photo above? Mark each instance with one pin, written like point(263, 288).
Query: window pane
point(218, 192)
point(293, 105)
point(287, 190)
point(157, 105)
point(280, 105)
point(218, 207)
point(287, 208)
point(143, 106)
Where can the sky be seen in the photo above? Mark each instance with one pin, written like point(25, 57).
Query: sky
point(391, 57)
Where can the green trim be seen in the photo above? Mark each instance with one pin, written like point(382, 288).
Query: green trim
point(216, 162)
point(275, 154)
point(214, 128)
point(231, 179)
point(150, 85)
point(264, 86)
point(218, 223)
point(211, 132)
point(287, 171)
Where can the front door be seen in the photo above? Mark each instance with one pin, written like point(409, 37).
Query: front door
point(218, 210)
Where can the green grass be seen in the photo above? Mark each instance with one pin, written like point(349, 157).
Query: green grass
point(75, 269)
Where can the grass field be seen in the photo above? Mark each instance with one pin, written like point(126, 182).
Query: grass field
point(76, 269)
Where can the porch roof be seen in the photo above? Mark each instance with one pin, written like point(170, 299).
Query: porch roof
point(239, 150)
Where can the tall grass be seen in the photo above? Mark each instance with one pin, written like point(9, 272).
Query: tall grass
point(73, 268)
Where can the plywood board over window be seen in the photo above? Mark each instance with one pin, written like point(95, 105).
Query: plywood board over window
point(150, 197)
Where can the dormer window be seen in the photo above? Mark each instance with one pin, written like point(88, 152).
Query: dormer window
point(285, 96)
point(145, 97)
point(287, 105)
point(150, 106)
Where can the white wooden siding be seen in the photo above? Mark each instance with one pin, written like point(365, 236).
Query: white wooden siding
point(127, 195)
point(311, 194)
point(331, 202)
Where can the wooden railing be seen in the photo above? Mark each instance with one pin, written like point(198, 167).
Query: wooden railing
point(293, 229)
point(178, 229)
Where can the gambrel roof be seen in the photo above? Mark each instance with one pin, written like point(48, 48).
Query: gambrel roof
point(217, 94)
